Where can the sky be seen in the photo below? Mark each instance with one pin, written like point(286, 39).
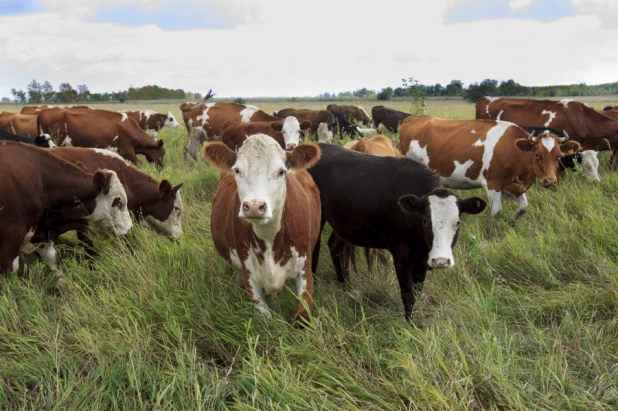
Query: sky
point(250, 48)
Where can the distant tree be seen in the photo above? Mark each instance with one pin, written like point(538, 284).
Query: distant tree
point(19, 95)
point(197, 96)
point(363, 92)
point(400, 92)
point(454, 88)
point(511, 88)
point(475, 91)
point(66, 93)
point(239, 100)
point(345, 94)
point(6, 100)
point(48, 93)
point(83, 94)
point(385, 94)
point(438, 90)
point(34, 92)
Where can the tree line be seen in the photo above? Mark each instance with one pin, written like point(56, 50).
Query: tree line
point(37, 93)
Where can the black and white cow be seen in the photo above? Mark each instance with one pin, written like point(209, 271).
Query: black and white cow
point(43, 140)
point(345, 127)
point(391, 203)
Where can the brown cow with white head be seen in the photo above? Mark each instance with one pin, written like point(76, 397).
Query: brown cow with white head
point(152, 122)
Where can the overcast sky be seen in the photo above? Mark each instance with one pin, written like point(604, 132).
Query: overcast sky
point(254, 48)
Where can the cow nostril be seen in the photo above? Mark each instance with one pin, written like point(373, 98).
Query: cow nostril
point(245, 207)
point(262, 208)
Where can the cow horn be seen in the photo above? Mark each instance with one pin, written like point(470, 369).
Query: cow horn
point(565, 138)
point(531, 137)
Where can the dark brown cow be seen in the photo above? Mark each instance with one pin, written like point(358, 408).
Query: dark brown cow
point(38, 109)
point(151, 121)
point(21, 124)
point(351, 113)
point(265, 218)
point(316, 117)
point(101, 129)
point(234, 133)
point(495, 155)
point(35, 181)
point(204, 121)
point(387, 118)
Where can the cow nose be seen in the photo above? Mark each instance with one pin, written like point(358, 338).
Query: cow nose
point(548, 182)
point(254, 208)
point(440, 262)
point(290, 146)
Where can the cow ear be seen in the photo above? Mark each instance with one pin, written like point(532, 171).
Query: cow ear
point(411, 203)
point(570, 147)
point(165, 189)
point(472, 205)
point(159, 143)
point(305, 155)
point(219, 155)
point(305, 125)
point(276, 126)
point(102, 181)
point(524, 145)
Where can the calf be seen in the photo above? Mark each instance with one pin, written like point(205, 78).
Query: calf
point(151, 121)
point(286, 133)
point(266, 216)
point(390, 203)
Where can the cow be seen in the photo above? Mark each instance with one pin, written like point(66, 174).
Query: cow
point(234, 133)
point(265, 216)
point(325, 135)
point(38, 109)
point(43, 141)
point(314, 116)
point(387, 118)
point(351, 113)
point(613, 114)
point(591, 129)
point(496, 155)
point(610, 108)
point(367, 132)
point(345, 127)
point(20, 124)
point(390, 203)
point(151, 121)
point(35, 182)
point(102, 129)
point(204, 121)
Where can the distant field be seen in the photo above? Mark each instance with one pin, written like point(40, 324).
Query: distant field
point(528, 319)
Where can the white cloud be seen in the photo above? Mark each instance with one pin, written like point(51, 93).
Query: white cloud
point(606, 10)
point(519, 4)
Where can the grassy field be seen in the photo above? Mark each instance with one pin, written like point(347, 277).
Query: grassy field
point(527, 319)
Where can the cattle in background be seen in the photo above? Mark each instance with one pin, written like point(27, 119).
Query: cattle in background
point(314, 116)
point(367, 132)
point(325, 135)
point(43, 141)
point(234, 133)
point(38, 182)
point(151, 121)
point(20, 124)
point(102, 129)
point(345, 127)
point(591, 129)
point(265, 216)
point(613, 114)
point(390, 203)
point(351, 113)
point(387, 118)
point(496, 155)
point(204, 121)
point(38, 109)
point(610, 108)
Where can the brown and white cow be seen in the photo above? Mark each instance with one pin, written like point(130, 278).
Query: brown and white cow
point(38, 109)
point(20, 124)
point(496, 155)
point(234, 133)
point(204, 121)
point(377, 145)
point(387, 118)
point(35, 182)
point(351, 113)
point(316, 117)
point(266, 216)
point(101, 129)
point(152, 122)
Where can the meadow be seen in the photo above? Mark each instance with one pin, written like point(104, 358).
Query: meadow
point(526, 320)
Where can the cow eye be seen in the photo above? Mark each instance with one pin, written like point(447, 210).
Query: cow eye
point(117, 203)
point(237, 171)
point(281, 172)
point(458, 223)
point(425, 222)
point(177, 209)
point(537, 156)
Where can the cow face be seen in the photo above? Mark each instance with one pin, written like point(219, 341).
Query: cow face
point(260, 166)
point(170, 120)
point(590, 165)
point(547, 150)
point(439, 212)
point(324, 134)
point(164, 215)
point(155, 154)
point(291, 131)
point(111, 210)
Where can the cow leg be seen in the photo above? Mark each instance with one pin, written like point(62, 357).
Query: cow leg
point(194, 142)
point(371, 255)
point(48, 254)
point(87, 243)
point(255, 293)
point(495, 198)
point(522, 203)
point(613, 159)
point(315, 255)
point(304, 290)
point(9, 252)
point(336, 246)
point(403, 268)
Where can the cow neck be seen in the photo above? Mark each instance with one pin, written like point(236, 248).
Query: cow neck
point(604, 127)
point(268, 232)
point(140, 187)
point(262, 116)
point(64, 181)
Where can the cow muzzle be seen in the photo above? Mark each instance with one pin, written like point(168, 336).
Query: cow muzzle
point(440, 262)
point(548, 182)
point(254, 209)
point(290, 146)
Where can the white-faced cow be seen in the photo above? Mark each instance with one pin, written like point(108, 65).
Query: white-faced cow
point(151, 121)
point(316, 117)
point(266, 216)
point(234, 133)
point(390, 203)
point(204, 122)
point(387, 118)
point(496, 155)
point(351, 113)
point(35, 182)
point(325, 135)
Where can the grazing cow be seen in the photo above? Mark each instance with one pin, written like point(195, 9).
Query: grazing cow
point(613, 114)
point(37, 182)
point(593, 130)
point(367, 132)
point(496, 155)
point(314, 116)
point(234, 133)
point(151, 121)
point(390, 203)
point(20, 124)
point(204, 121)
point(102, 129)
point(38, 109)
point(325, 135)
point(43, 141)
point(345, 127)
point(266, 216)
point(351, 113)
point(387, 118)
point(610, 108)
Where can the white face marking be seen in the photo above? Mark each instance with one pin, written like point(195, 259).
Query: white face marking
point(112, 218)
point(291, 132)
point(590, 165)
point(269, 276)
point(247, 112)
point(444, 223)
point(418, 153)
point(170, 121)
point(115, 138)
point(324, 134)
point(548, 142)
point(172, 226)
point(67, 142)
point(552, 115)
point(565, 102)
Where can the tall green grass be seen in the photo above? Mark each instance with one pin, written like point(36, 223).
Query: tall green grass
point(526, 320)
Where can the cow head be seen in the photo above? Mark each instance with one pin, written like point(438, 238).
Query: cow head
point(111, 210)
point(155, 154)
point(325, 135)
point(439, 212)
point(590, 165)
point(290, 128)
point(547, 149)
point(164, 215)
point(170, 120)
point(260, 166)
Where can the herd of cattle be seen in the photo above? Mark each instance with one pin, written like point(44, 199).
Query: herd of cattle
point(276, 193)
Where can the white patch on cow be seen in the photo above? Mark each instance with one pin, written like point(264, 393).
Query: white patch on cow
point(270, 276)
point(26, 242)
point(590, 165)
point(112, 219)
point(48, 254)
point(381, 127)
point(492, 99)
point(565, 102)
point(473, 132)
point(203, 119)
point(495, 198)
point(109, 153)
point(152, 133)
point(499, 115)
point(522, 203)
point(235, 259)
point(172, 225)
point(16, 264)
point(247, 112)
point(124, 117)
point(478, 143)
point(324, 134)
point(67, 142)
point(458, 178)
point(551, 114)
point(367, 132)
point(291, 132)
point(115, 138)
point(548, 142)
point(444, 223)
point(418, 153)
point(112, 149)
